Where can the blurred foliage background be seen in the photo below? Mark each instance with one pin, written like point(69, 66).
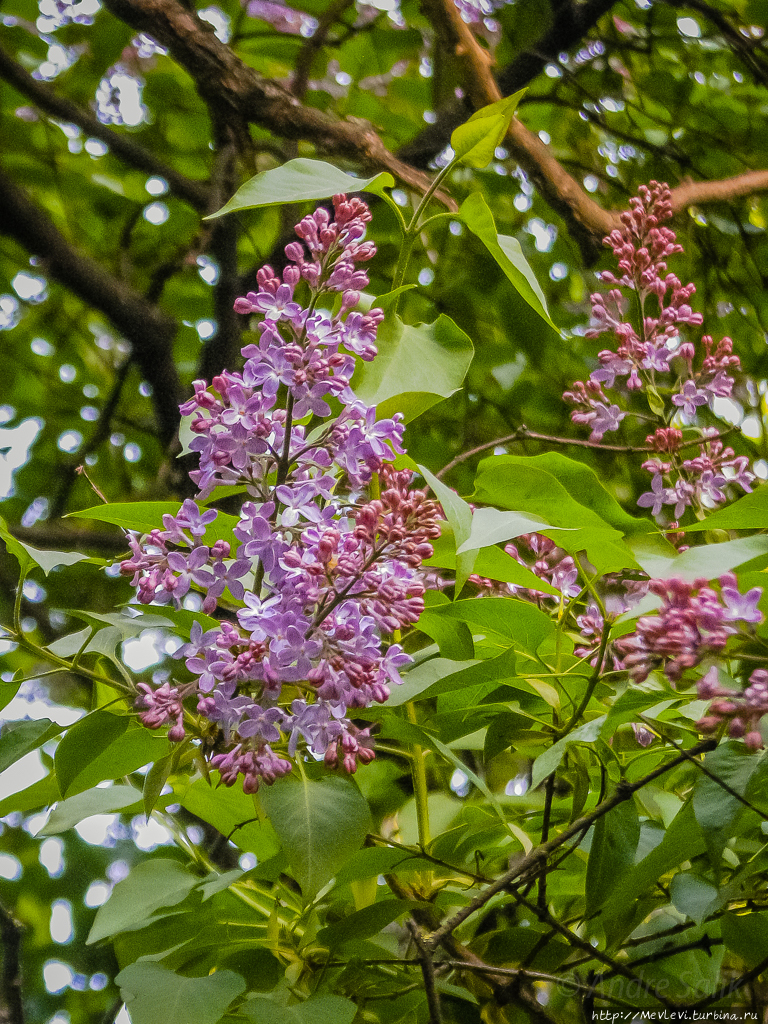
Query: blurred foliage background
point(115, 294)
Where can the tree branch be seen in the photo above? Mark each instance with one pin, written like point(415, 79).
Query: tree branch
point(428, 973)
point(533, 862)
point(193, 192)
point(571, 21)
point(587, 221)
point(148, 329)
point(10, 933)
point(238, 95)
point(222, 350)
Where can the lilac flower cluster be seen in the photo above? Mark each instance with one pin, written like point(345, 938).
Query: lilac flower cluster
point(695, 621)
point(314, 576)
point(741, 711)
point(652, 357)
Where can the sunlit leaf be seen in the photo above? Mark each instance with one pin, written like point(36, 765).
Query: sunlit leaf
point(417, 366)
point(475, 141)
point(297, 181)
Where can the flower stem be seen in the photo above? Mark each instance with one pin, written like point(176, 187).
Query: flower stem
point(419, 776)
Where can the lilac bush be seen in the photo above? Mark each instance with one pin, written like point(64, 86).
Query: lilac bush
point(319, 577)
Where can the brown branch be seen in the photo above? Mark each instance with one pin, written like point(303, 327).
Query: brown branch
point(237, 95)
point(595, 952)
point(314, 44)
point(733, 986)
point(193, 192)
point(697, 193)
point(570, 23)
point(148, 329)
point(10, 934)
point(587, 221)
point(428, 973)
point(534, 861)
point(739, 44)
point(222, 349)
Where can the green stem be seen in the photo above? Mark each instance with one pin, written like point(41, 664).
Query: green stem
point(409, 237)
point(17, 602)
point(419, 776)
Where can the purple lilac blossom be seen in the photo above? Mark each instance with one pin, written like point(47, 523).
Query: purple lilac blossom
point(314, 579)
point(651, 348)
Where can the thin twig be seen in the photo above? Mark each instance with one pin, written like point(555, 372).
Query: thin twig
point(524, 434)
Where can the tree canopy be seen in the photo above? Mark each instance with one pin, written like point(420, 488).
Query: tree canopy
point(566, 809)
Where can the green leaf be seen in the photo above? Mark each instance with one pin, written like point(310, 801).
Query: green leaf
point(226, 808)
point(612, 854)
point(298, 181)
point(83, 742)
point(154, 780)
point(92, 801)
point(746, 935)
point(459, 515)
point(567, 497)
point(151, 885)
point(492, 526)
point(524, 626)
point(27, 555)
point(748, 513)
point(507, 252)
point(533, 484)
point(366, 923)
point(320, 823)
point(708, 561)
point(417, 366)
point(21, 739)
point(136, 747)
point(547, 762)
point(441, 675)
point(154, 995)
point(16, 548)
point(475, 141)
point(40, 794)
point(453, 638)
point(315, 1010)
point(682, 841)
point(716, 809)
point(493, 563)
point(693, 896)
point(379, 860)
